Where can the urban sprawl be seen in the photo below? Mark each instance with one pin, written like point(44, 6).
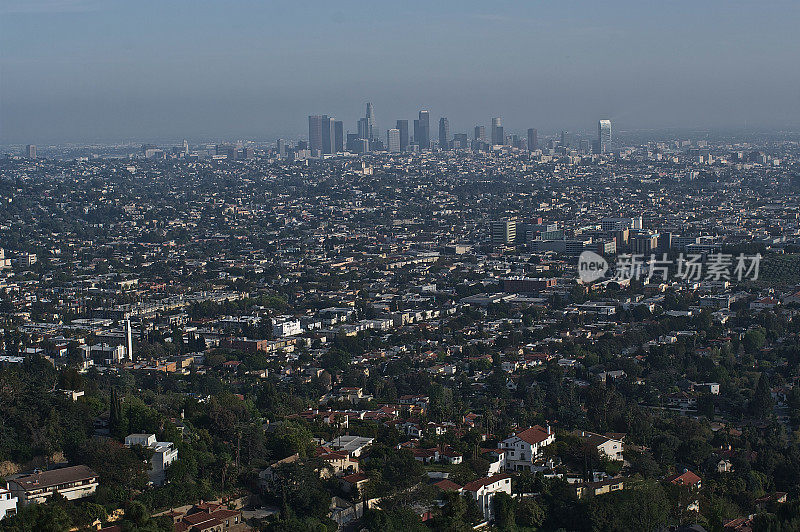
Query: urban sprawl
point(400, 330)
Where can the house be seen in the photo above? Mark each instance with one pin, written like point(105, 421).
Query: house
point(356, 481)
point(691, 481)
point(266, 475)
point(687, 478)
point(740, 524)
point(484, 490)
point(584, 489)
point(764, 503)
point(447, 485)
point(164, 453)
point(524, 447)
point(496, 459)
point(209, 517)
point(451, 457)
point(426, 456)
point(339, 463)
point(608, 447)
point(764, 303)
point(353, 445)
point(72, 483)
point(724, 466)
point(8, 503)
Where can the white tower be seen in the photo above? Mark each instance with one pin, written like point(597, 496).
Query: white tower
point(128, 340)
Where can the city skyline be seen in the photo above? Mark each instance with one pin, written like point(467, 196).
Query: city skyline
point(643, 67)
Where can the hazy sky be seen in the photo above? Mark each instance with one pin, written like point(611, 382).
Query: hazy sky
point(111, 70)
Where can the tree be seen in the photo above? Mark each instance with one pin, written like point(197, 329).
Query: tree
point(754, 339)
point(529, 513)
point(761, 404)
point(504, 511)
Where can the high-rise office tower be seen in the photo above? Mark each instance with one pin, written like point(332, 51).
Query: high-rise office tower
point(566, 139)
point(417, 132)
point(370, 121)
point(480, 133)
point(315, 134)
point(402, 126)
point(533, 139)
point(328, 134)
point(351, 142)
point(363, 128)
point(30, 151)
point(444, 133)
point(424, 139)
point(460, 140)
point(338, 137)
point(393, 140)
point(603, 135)
point(497, 132)
point(503, 231)
point(281, 148)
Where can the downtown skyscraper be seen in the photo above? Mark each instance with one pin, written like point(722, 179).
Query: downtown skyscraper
point(444, 133)
point(422, 130)
point(480, 133)
point(533, 139)
point(370, 116)
point(328, 134)
point(393, 140)
point(603, 136)
point(402, 127)
point(315, 134)
point(498, 137)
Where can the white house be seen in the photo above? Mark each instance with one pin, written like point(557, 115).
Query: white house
point(496, 459)
point(353, 445)
point(8, 503)
point(484, 490)
point(523, 448)
point(285, 326)
point(164, 453)
point(607, 446)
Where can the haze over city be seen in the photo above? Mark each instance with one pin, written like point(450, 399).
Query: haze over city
point(97, 71)
point(399, 267)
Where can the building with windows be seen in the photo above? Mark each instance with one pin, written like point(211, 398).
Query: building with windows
point(533, 139)
point(484, 490)
point(8, 503)
point(393, 140)
point(498, 137)
point(72, 483)
point(524, 447)
point(503, 231)
point(164, 453)
point(315, 135)
point(603, 135)
point(402, 126)
point(444, 133)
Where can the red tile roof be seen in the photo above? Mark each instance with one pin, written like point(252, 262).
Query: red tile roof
point(447, 485)
point(533, 435)
point(475, 485)
point(685, 479)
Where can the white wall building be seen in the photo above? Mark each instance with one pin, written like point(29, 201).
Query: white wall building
point(8, 503)
point(484, 490)
point(74, 482)
point(285, 327)
point(523, 448)
point(164, 453)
